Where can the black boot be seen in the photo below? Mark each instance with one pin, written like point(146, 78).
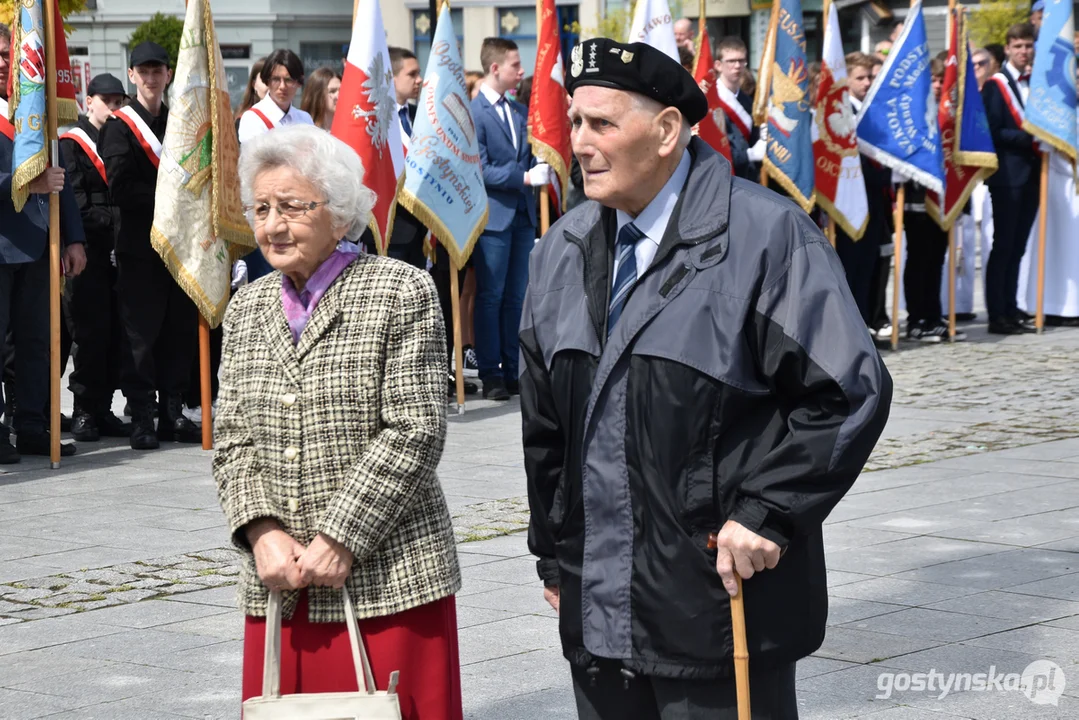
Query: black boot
point(143, 436)
point(111, 426)
point(83, 425)
point(173, 425)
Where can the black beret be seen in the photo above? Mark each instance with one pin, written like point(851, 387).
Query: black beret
point(105, 84)
point(148, 53)
point(638, 68)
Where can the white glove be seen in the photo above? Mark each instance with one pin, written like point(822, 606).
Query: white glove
point(239, 274)
point(540, 175)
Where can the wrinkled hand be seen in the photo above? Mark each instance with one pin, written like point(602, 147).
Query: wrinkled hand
point(553, 596)
point(49, 181)
point(325, 563)
point(744, 551)
point(74, 260)
point(276, 556)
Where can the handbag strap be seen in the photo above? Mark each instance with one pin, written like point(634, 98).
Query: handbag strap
point(271, 667)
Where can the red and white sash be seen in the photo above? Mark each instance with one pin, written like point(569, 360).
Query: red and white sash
point(262, 115)
point(734, 110)
point(149, 142)
point(6, 128)
point(88, 146)
point(1015, 107)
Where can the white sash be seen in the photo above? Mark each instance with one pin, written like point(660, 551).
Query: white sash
point(734, 109)
point(1013, 103)
point(145, 135)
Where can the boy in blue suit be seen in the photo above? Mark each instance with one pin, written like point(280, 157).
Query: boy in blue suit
point(24, 280)
point(509, 174)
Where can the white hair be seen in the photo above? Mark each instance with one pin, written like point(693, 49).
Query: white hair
point(653, 107)
point(330, 165)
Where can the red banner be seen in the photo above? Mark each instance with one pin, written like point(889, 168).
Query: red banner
point(713, 128)
point(548, 124)
point(67, 109)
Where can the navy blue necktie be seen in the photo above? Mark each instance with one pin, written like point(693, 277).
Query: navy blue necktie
point(626, 275)
point(406, 123)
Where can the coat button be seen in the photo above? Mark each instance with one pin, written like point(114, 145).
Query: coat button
point(293, 505)
point(291, 453)
point(288, 399)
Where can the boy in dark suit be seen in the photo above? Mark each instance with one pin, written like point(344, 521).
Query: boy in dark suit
point(504, 247)
point(1013, 188)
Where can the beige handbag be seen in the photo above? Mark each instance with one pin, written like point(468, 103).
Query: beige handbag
point(367, 704)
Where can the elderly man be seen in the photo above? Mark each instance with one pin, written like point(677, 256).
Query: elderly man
point(692, 362)
point(683, 34)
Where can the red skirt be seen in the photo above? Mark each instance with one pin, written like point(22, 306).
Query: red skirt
point(317, 657)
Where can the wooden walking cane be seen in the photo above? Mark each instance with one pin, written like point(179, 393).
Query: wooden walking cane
point(54, 237)
point(741, 646)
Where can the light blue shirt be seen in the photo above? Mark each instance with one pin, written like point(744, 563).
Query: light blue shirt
point(653, 220)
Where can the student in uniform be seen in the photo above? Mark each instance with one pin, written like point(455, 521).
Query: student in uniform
point(92, 304)
point(159, 318)
point(283, 76)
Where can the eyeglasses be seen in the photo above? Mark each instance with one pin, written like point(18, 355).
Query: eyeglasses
point(287, 81)
point(736, 61)
point(289, 210)
point(981, 63)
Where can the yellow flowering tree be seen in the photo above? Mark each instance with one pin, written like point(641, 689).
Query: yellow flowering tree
point(67, 7)
point(989, 21)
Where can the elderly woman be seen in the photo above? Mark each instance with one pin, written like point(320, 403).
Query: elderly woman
point(330, 426)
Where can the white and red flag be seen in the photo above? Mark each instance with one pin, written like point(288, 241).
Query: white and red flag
point(366, 116)
point(548, 123)
point(838, 169)
point(713, 128)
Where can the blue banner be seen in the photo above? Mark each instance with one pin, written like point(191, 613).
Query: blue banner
point(897, 125)
point(1051, 107)
point(789, 160)
point(974, 145)
point(443, 179)
point(27, 105)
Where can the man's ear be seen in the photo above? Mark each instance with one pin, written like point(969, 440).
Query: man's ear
point(669, 123)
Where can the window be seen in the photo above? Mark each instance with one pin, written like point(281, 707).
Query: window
point(519, 25)
point(322, 54)
point(421, 33)
point(567, 17)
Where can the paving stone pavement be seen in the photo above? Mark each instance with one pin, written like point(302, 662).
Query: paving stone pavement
point(956, 552)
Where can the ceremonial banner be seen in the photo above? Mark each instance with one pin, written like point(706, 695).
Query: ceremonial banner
point(366, 117)
point(965, 139)
point(898, 125)
point(199, 225)
point(838, 177)
point(26, 93)
point(443, 184)
point(789, 159)
point(548, 123)
point(653, 25)
point(1051, 107)
point(713, 128)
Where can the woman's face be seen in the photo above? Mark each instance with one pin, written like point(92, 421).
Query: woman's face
point(283, 87)
point(294, 245)
point(332, 90)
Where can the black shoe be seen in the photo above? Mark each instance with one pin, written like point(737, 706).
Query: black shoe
point(1003, 327)
point(8, 454)
point(172, 424)
point(495, 389)
point(143, 435)
point(471, 388)
point(111, 426)
point(1024, 323)
point(513, 387)
point(966, 317)
point(84, 427)
point(37, 443)
point(1061, 321)
point(1021, 316)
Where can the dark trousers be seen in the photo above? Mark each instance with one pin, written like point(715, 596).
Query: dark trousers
point(860, 263)
point(94, 311)
point(440, 273)
point(773, 696)
point(24, 310)
point(1014, 210)
point(161, 324)
point(927, 246)
point(501, 263)
point(410, 252)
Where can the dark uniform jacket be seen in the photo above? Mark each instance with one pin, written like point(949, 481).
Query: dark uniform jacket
point(132, 179)
point(1018, 162)
point(99, 216)
point(739, 383)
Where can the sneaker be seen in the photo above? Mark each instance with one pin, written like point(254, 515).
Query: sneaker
point(928, 332)
point(472, 369)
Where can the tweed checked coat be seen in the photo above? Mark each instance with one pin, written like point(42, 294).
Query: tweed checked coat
point(341, 434)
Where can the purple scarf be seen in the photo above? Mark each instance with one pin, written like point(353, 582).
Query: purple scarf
point(299, 306)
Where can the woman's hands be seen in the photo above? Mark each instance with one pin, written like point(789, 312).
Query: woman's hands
point(277, 555)
point(325, 563)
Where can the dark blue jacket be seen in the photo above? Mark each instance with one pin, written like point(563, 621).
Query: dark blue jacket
point(25, 235)
point(504, 167)
point(1018, 162)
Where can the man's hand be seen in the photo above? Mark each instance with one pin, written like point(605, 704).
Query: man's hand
point(552, 595)
point(276, 555)
point(74, 260)
point(49, 181)
point(538, 176)
point(325, 563)
point(743, 550)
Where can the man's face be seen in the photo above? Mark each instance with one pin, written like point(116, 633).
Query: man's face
point(937, 82)
point(151, 80)
point(1020, 52)
point(283, 87)
point(858, 82)
point(732, 63)
point(1036, 19)
point(5, 68)
point(983, 67)
point(101, 107)
point(408, 82)
point(616, 143)
point(683, 31)
point(509, 72)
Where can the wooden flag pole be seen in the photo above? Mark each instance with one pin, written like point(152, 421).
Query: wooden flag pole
point(897, 278)
point(54, 237)
point(545, 211)
point(458, 353)
point(1043, 211)
point(951, 283)
point(206, 386)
